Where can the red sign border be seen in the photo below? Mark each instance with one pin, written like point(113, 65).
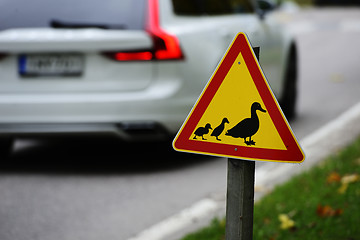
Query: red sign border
point(182, 141)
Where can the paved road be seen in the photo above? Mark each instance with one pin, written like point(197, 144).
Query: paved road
point(69, 190)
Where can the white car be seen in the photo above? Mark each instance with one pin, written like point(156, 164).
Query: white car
point(133, 68)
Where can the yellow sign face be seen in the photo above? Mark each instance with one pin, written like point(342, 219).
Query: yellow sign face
point(233, 101)
point(237, 114)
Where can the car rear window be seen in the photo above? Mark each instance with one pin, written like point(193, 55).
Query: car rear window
point(107, 14)
point(212, 7)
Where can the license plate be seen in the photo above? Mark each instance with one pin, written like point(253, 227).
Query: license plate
point(71, 64)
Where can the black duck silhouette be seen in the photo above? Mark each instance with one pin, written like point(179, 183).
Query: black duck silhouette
point(247, 127)
point(219, 129)
point(201, 131)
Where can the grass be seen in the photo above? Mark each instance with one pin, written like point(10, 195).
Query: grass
point(323, 203)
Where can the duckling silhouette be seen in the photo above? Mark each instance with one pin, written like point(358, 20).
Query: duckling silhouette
point(201, 131)
point(219, 129)
point(247, 127)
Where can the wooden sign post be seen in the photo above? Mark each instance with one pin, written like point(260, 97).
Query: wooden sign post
point(240, 199)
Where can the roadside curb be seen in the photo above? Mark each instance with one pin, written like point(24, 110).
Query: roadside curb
point(317, 146)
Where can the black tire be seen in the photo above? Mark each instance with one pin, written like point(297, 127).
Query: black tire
point(289, 96)
point(6, 144)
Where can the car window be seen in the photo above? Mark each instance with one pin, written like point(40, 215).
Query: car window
point(124, 14)
point(212, 7)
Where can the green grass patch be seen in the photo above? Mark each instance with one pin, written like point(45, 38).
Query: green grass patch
point(322, 203)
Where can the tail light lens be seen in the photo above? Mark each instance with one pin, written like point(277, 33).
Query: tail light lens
point(165, 45)
point(130, 56)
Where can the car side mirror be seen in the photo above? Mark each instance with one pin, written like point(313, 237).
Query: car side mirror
point(264, 7)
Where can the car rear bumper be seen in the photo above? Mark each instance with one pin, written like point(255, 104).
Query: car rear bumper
point(130, 131)
point(155, 113)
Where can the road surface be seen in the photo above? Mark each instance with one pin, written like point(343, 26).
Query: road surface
point(97, 189)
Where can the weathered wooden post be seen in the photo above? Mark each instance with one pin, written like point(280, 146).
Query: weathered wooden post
point(240, 199)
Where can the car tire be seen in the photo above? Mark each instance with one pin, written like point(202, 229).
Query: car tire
point(6, 144)
point(289, 96)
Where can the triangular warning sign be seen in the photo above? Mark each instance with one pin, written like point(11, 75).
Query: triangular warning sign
point(237, 114)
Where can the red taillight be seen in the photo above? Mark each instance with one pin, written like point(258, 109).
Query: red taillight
point(131, 56)
point(165, 46)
